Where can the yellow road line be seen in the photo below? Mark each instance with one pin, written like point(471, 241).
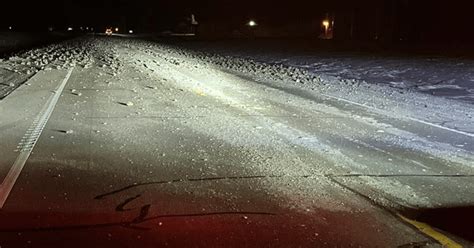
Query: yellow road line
point(428, 230)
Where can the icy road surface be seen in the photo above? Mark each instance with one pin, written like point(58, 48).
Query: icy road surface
point(148, 145)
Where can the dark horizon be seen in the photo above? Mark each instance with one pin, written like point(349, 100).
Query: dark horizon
point(417, 21)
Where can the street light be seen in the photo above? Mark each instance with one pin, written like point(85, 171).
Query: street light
point(326, 24)
point(252, 23)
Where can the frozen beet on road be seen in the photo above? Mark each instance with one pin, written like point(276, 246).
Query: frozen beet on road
point(129, 143)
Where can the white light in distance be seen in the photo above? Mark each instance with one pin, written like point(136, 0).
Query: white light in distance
point(252, 23)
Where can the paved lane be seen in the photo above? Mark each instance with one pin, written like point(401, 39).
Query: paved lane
point(166, 150)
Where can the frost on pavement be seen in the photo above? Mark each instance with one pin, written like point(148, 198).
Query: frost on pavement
point(372, 145)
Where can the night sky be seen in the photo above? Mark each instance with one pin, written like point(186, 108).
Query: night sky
point(106, 11)
point(453, 19)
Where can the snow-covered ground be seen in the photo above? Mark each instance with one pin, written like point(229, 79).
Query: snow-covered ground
point(444, 77)
point(395, 86)
point(451, 78)
point(408, 102)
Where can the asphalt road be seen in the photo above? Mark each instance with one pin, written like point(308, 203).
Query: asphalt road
point(159, 149)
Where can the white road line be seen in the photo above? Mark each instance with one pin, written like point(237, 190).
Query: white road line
point(30, 140)
point(407, 117)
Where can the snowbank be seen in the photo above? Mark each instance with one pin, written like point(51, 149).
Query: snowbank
point(447, 77)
